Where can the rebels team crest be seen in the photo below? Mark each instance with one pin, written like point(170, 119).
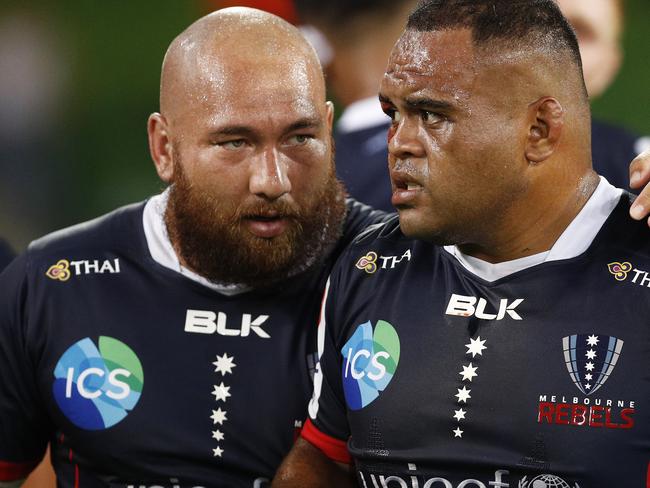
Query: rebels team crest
point(590, 359)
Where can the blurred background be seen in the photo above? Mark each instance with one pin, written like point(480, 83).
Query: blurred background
point(79, 78)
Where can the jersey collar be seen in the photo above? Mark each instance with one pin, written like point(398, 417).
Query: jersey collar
point(575, 239)
point(162, 251)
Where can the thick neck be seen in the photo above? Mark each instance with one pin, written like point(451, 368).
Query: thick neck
point(535, 224)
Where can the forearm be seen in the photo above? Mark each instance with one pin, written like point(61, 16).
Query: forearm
point(307, 466)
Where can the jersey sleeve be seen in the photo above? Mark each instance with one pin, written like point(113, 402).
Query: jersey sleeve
point(23, 424)
point(327, 426)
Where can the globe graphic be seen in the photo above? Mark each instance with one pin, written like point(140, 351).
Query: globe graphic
point(548, 481)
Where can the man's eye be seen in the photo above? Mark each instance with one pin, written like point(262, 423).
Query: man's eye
point(235, 144)
point(299, 139)
point(431, 117)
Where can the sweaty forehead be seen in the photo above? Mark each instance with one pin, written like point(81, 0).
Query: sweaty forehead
point(440, 61)
point(241, 88)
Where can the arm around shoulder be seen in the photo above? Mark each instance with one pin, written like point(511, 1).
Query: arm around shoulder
point(308, 466)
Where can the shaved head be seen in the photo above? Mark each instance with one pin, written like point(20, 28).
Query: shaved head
point(228, 40)
point(243, 138)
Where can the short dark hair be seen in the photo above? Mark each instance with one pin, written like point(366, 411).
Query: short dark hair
point(515, 22)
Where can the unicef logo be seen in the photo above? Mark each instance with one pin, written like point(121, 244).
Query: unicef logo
point(546, 481)
point(370, 363)
point(97, 387)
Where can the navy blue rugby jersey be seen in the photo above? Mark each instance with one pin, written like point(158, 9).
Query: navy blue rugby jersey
point(439, 379)
point(142, 377)
point(6, 254)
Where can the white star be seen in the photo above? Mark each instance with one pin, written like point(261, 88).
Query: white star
point(217, 435)
point(218, 416)
point(592, 340)
point(588, 376)
point(468, 372)
point(475, 347)
point(589, 366)
point(458, 432)
point(463, 395)
point(217, 451)
point(221, 392)
point(590, 354)
point(459, 414)
point(587, 386)
point(224, 364)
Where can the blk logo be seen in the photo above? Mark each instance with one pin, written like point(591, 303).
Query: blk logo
point(370, 361)
point(207, 322)
point(97, 387)
point(465, 306)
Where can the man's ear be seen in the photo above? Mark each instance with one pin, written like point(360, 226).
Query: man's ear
point(160, 146)
point(545, 124)
point(330, 114)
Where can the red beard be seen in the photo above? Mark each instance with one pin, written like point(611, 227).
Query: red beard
point(210, 237)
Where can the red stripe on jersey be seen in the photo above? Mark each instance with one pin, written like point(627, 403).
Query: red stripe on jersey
point(15, 471)
point(335, 449)
point(647, 483)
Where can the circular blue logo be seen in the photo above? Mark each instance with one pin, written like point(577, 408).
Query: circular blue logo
point(97, 386)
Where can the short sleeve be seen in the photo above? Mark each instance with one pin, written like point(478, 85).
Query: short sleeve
point(327, 427)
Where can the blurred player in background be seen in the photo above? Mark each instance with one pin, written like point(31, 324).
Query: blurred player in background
point(599, 25)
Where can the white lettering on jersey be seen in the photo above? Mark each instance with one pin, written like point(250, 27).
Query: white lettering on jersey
point(208, 322)
point(86, 267)
point(467, 306)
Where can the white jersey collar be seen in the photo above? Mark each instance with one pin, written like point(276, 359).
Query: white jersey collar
point(162, 251)
point(575, 239)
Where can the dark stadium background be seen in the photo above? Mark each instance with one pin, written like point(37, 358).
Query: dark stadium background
point(93, 156)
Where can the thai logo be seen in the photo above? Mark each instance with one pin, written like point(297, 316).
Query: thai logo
point(619, 270)
point(546, 481)
point(370, 361)
point(590, 359)
point(368, 263)
point(59, 271)
point(97, 387)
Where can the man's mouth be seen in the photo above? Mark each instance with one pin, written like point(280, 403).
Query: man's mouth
point(405, 190)
point(267, 225)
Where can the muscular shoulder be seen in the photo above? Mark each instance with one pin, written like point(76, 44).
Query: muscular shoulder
point(119, 229)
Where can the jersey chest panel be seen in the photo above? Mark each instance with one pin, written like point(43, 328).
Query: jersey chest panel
point(541, 374)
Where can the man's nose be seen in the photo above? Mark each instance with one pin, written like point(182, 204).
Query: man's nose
point(269, 176)
point(405, 143)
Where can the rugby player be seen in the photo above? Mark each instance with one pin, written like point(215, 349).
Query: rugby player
point(171, 343)
point(496, 334)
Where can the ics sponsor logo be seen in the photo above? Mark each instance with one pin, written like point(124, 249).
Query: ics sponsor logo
point(371, 262)
point(64, 269)
point(369, 362)
point(467, 306)
point(97, 386)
